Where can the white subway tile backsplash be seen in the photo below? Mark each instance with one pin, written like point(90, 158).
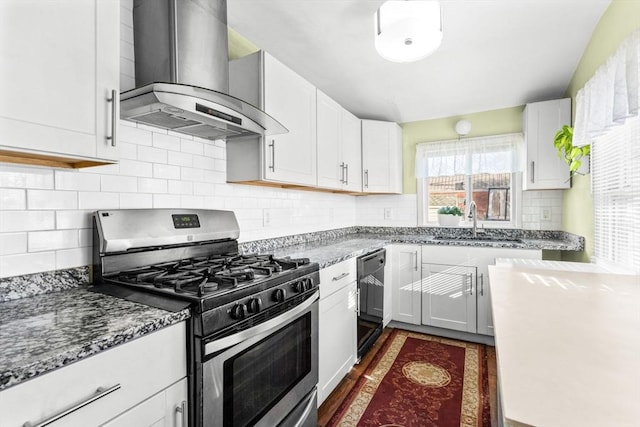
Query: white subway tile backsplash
point(134, 135)
point(135, 167)
point(13, 243)
point(180, 159)
point(12, 221)
point(169, 142)
point(51, 240)
point(68, 258)
point(98, 200)
point(180, 187)
point(85, 237)
point(203, 189)
point(192, 202)
point(166, 201)
point(166, 171)
point(191, 174)
point(212, 150)
point(65, 180)
point(73, 219)
point(193, 147)
point(136, 201)
point(13, 199)
point(152, 185)
point(152, 154)
point(27, 263)
point(52, 199)
point(118, 184)
point(127, 150)
point(25, 177)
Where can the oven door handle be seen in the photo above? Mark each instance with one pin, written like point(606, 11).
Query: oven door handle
point(283, 319)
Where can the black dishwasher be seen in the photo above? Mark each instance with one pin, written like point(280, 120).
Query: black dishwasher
point(370, 299)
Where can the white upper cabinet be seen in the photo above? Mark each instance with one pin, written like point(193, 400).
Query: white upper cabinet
point(544, 169)
point(59, 66)
point(289, 158)
point(339, 147)
point(381, 157)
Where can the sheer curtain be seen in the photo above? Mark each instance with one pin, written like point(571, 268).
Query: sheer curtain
point(611, 96)
point(489, 154)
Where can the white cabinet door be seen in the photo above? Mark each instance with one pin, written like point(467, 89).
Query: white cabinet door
point(290, 99)
point(339, 146)
point(381, 157)
point(351, 152)
point(448, 296)
point(337, 338)
point(330, 164)
point(406, 283)
point(483, 258)
point(164, 409)
point(59, 63)
point(541, 120)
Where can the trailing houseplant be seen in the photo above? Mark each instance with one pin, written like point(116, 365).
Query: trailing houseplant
point(449, 216)
point(573, 156)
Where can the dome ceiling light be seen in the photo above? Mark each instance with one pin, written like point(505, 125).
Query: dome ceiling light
point(407, 31)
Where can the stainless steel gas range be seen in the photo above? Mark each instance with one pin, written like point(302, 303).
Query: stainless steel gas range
point(253, 334)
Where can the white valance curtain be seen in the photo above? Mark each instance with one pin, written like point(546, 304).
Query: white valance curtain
point(612, 95)
point(489, 154)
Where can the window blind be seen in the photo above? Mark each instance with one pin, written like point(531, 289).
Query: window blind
point(615, 184)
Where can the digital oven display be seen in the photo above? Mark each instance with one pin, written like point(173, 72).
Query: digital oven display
point(186, 221)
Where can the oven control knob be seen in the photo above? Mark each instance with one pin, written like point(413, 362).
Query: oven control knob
point(254, 305)
point(308, 283)
point(279, 295)
point(238, 312)
point(299, 286)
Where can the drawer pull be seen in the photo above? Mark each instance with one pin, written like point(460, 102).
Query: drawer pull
point(182, 410)
point(99, 394)
point(342, 276)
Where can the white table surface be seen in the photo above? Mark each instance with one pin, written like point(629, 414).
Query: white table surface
point(567, 345)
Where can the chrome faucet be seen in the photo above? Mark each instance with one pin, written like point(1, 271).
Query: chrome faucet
point(473, 214)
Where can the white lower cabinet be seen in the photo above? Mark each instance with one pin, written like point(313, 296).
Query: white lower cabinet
point(165, 409)
point(448, 295)
point(337, 325)
point(142, 381)
point(406, 283)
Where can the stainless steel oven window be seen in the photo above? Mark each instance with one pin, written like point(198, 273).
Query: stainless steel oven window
point(265, 373)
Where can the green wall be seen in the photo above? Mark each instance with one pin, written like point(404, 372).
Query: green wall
point(238, 45)
point(618, 21)
point(495, 122)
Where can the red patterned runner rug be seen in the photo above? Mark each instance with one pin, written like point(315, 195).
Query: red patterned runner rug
point(418, 380)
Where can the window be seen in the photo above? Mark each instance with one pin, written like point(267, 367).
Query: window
point(615, 184)
point(485, 170)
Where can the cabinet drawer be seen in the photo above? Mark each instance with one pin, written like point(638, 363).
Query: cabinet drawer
point(141, 368)
point(337, 276)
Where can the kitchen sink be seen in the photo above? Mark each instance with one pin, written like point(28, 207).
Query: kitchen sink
point(480, 239)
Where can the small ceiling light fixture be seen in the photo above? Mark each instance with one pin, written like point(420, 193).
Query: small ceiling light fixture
point(463, 127)
point(407, 31)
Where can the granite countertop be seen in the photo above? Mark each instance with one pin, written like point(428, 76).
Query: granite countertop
point(44, 332)
point(567, 343)
point(336, 249)
point(51, 319)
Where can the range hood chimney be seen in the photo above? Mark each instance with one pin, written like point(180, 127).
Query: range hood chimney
point(182, 73)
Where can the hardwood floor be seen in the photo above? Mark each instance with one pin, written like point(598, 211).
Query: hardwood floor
point(331, 404)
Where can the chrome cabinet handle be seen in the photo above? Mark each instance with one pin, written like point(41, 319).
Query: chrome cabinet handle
point(114, 117)
point(182, 410)
point(99, 394)
point(342, 180)
point(481, 284)
point(415, 264)
point(346, 175)
point(533, 172)
point(366, 178)
point(342, 276)
point(273, 155)
point(470, 278)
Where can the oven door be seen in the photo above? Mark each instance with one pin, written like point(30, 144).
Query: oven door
point(265, 375)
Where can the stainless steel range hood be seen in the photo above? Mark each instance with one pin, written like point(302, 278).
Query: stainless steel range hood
point(182, 73)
